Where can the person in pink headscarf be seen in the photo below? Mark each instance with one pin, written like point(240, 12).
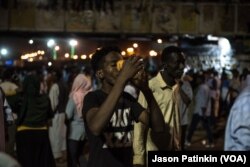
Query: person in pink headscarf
point(76, 131)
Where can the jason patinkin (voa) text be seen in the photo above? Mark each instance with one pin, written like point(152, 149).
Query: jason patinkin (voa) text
point(185, 158)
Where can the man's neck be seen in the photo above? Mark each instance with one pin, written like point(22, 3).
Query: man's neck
point(106, 88)
point(168, 79)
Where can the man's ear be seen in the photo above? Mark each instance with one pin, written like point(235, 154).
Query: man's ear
point(99, 74)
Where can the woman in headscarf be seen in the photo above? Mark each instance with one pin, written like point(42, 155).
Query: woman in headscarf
point(76, 131)
point(32, 140)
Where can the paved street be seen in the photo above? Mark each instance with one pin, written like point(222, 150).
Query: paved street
point(200, 135)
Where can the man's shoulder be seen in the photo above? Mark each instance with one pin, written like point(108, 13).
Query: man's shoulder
point(242, 105)
point(155, 81)
point(97, 94)
point(55, 86)
point(246, 91)
point(128, 96)
point(244, 97)
point(8, 83)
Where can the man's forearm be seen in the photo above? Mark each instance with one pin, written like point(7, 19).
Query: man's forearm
point(156, 119)
point(100, 119)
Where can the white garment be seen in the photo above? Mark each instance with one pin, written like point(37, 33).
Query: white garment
point(54, 96)
point(183, 108)
point(57, 135)
point(131, 90)
point(8, 111)
point(202, 100)
point(57, 132)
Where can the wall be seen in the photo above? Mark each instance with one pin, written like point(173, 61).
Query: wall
point(131, 17)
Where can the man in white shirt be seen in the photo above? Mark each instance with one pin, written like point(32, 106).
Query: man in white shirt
point(184, 97)
point(202, 111)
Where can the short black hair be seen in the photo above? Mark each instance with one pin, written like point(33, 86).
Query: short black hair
point(168, 51)
point(99, 55)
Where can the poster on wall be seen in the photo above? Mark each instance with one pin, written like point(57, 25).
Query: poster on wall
point(109, 20)
point(4, 19)
point(49, 20)
point(188, 19)
point(243, 25)
point(165, 18)
point(22, 19)
point(136, 19)
point(80, 21)
point(225, 15)
point(207, 20)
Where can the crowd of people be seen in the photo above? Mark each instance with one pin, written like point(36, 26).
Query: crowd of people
point(46, 114)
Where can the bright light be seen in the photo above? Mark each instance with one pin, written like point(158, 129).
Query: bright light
point(225, 51)
point(123, 53)
point(31, 41)
point(49, 64)
point(57, 48)
point(66, 55)
point(135, 45)
point(51, 43)
point(159, 40)
point(40, 52)
point(130, 51)
point(90, 56)
point(83, 56)
point(212, 38)
point(73, 42)
point(33, 54)
point(224, 46)
point(30, 60)
point(152, 53)
point(186, 69)
point(75, 57)
point(23, 57)
point(4, 51)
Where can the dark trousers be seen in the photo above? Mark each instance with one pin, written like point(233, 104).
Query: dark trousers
point(183, 136)
point(206, 122)
point(33, 149)
point(75, 150)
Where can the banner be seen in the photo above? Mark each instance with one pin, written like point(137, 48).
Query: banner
point(49, 20)
point(109, 21)
point(165, 17)
point(22, 19)
point(136, 19)
point(225, 19)
point(4, 16)
point(188, 20)
point(243, 24)
point(208, 22)
point(80, 21)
